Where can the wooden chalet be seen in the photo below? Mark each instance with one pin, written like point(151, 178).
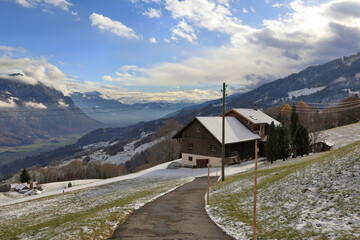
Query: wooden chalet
point(256, 121)
point(201, 138)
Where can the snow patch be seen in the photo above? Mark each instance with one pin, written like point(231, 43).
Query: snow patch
point(305, 92)
point(339, 80)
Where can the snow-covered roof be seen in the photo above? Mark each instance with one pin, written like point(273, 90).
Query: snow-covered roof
point(235, 131)
point(255, 116)
point(20, 186)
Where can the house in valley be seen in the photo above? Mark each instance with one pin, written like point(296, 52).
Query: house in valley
point(201, 138)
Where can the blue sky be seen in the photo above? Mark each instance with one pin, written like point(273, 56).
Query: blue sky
point(148, 50)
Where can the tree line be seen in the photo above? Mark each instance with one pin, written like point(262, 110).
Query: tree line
point(76, 169)
point(284, 140)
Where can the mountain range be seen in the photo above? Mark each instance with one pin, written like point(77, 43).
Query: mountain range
point(325, 83)
point(31, 112)
point(115, 113)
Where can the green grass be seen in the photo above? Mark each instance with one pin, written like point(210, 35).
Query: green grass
point(10, 154)
point(232, 199)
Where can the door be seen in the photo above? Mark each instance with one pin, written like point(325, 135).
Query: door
point(202, 163)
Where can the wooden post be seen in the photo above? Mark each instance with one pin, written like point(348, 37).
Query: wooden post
point(208, 186)
point(254, 214)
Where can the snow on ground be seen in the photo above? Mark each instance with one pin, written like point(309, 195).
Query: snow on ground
point(50, 187)
point(341, 136)
point(126, 155)
point(315, 197)
point(91, 213)
point(156, 171)
point(305, 92)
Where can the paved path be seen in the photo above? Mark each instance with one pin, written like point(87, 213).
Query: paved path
point(179, 214)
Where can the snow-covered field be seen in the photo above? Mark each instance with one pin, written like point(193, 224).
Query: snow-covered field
point(91, 213)
point(93, 210)
point(315, 197)
point(156, 171)
point(341, 136)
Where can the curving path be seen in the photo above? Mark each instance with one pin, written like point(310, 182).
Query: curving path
point(179, 214)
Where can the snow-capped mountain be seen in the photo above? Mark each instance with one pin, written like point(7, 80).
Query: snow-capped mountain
point(31, 112)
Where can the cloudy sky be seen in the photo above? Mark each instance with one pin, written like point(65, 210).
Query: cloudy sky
point(147, 50)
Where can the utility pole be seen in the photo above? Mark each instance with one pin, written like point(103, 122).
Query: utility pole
point(223, 135)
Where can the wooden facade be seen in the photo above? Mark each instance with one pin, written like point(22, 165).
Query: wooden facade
point(198, 144)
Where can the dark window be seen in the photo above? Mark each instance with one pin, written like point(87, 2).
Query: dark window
point(212, 148)
point(190, 145)
point(190, 158)
point(197, 128)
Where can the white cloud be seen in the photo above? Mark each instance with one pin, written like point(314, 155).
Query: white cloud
point(193, 95)
point(63, 104)
point(63, 4)
point(35, 71)
point(252, 9)
point(9, 103)
point(127, 68)
point(185, 31)
point(107, 78)
point(35, 105)
point(153, 13)
point(308, 34)
point(116, 27)
point(211, 15)
point(152, 40)
point(245, 11)
point(166, 40)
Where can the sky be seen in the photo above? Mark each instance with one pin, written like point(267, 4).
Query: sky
point(171, 50)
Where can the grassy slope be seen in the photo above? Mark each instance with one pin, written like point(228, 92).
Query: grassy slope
point(315, 197)
point(10, 154)
point(92, 213)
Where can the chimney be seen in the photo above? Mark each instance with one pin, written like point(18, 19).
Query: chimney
point(255, 107)
point(31, 185)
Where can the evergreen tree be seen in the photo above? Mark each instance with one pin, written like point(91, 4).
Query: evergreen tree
point(271, 145)
point(294, 122)
point(283, 138)
point(24, 176)
point(301, 141)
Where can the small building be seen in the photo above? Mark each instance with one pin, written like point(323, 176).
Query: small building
point(201, 138)
point(23, 187)
point(322, 146)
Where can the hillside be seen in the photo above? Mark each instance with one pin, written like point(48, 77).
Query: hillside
point(33, 112)
point(304, 198)
point(328, 82)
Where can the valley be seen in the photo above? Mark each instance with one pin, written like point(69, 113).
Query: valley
point(10, 154)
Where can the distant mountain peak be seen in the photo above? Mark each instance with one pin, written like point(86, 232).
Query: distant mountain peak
point(15, 74)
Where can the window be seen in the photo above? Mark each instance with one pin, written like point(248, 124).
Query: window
point(197, 128)
point(254, 118)
point(190, 158)
point(212, 148)
point(190, 145)
point(262, 130)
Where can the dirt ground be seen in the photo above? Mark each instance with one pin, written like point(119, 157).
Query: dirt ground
point(179, 214)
